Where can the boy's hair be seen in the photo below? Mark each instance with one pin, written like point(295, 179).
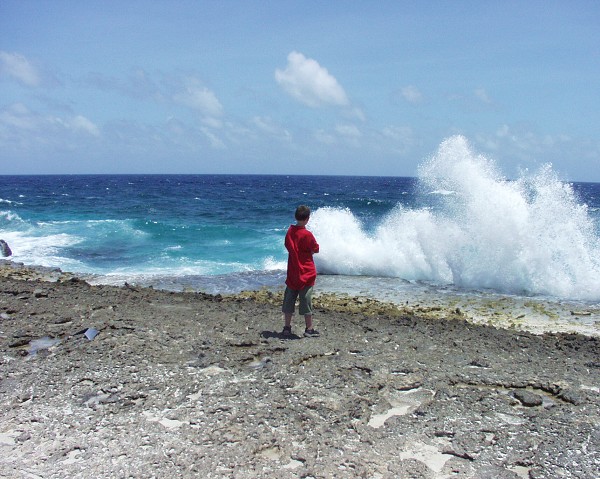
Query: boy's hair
point(302, 213)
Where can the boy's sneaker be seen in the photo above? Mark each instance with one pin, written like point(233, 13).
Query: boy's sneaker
point(287, 331)
point(311, 333)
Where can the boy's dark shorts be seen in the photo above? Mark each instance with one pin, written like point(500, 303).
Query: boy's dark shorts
point(289, 300)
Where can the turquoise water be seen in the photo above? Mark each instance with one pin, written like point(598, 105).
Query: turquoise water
point(172, 225)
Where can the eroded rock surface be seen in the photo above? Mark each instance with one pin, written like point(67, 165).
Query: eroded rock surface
point(191, 385)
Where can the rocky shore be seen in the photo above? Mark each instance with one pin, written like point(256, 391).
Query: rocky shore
point(103, 381)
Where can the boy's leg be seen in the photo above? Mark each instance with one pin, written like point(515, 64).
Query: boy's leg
point(308, 321)
point(306, 301)
point(306, 310)
point(288, 307)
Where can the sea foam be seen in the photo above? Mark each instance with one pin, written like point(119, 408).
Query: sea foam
point(527, 236)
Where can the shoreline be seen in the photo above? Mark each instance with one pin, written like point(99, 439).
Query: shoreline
point(106, 381)
point(530, 314)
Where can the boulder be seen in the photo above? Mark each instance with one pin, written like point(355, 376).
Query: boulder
point(5, 249)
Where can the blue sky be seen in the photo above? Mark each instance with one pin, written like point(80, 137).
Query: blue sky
point(290, 87)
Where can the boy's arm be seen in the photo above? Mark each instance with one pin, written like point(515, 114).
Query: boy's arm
point(315, 247)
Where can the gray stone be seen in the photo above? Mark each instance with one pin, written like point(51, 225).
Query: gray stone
point(528, 398)
point(5, 249)
point(190, 385)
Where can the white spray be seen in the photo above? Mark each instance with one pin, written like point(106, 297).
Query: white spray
point(526, 236)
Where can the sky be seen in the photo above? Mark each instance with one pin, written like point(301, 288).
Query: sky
point(297, 87)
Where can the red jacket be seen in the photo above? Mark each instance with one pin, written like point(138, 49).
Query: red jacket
point(301, 270)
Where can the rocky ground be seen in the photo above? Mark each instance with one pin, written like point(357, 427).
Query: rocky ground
point(101, 381)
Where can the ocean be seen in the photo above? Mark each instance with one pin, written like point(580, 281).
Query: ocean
point(459, 229)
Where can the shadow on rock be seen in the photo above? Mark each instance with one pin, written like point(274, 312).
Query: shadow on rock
point(279, 335)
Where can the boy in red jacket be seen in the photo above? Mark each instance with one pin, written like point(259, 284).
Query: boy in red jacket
point(301, 272)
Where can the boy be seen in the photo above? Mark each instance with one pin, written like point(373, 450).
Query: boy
point(301, 272)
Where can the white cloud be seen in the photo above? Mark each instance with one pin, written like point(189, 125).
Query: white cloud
point(412, 94)
point(357, 113)
point(138, 84)
point(18, 67)
point(324, 137)
point(214, 140)
point(482, 95)
point(402, 138)
point(504, 130)
point(199, 98)
point(521, 146)
point(17, 121)
point(268, 126)
point(342, 134)
point(212, 122)
point(310, 83)
point(400, 133)
point(349, 135)
point(73, 124)
point(81, 123)
point(348, 130)
point(18, 117)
